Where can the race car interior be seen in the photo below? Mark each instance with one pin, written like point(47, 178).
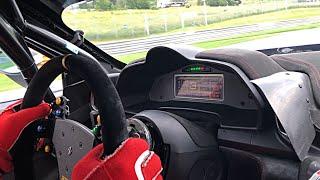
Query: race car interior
point(213, 114)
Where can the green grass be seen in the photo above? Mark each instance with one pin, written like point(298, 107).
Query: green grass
point(130, 57)
point(251, 36)
point(101, 26)
point(230, 41)
point(7, 84)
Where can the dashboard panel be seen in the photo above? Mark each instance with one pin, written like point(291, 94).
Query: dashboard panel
point(199, 86)
point(201, 90)
point(210, 86)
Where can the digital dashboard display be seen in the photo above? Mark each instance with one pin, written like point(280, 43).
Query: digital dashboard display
point(199, 86)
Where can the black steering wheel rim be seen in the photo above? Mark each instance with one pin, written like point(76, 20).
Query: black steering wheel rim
point(111, 111)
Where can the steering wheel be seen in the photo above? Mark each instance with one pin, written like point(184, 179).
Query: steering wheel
point(108, 102)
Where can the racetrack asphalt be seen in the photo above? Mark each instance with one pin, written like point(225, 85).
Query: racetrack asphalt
point(144, 44)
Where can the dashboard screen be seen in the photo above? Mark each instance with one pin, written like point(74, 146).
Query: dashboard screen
point(199, 86)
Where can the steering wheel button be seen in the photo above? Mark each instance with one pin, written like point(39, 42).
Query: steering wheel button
point(69, 150)
point(47, 149)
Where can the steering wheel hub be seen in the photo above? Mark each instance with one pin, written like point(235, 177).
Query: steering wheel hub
point(138, 129)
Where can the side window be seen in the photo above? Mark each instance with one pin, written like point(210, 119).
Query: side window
point(9, 77)
point(11, 80)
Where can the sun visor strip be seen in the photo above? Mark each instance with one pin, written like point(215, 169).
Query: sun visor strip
point(291, 98)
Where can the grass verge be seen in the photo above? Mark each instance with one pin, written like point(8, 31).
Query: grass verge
point(251, 36)
point(131, 57)
point(7, 84)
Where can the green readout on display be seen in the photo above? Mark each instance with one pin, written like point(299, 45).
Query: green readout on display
point(197, 69)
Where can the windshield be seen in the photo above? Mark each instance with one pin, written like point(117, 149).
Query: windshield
point(127, 29)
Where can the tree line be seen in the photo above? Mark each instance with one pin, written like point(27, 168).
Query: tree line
point(105, 5)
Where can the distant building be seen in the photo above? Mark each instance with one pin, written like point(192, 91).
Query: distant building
point(169, 3)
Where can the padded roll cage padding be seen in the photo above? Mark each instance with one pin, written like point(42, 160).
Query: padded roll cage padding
point(253, 63)
point(114, 122)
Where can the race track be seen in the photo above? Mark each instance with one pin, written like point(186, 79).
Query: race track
point(144, 44)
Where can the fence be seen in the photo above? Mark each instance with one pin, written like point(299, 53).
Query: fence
point(113, 25)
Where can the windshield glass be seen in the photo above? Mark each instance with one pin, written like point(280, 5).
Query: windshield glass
point(127, 29)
